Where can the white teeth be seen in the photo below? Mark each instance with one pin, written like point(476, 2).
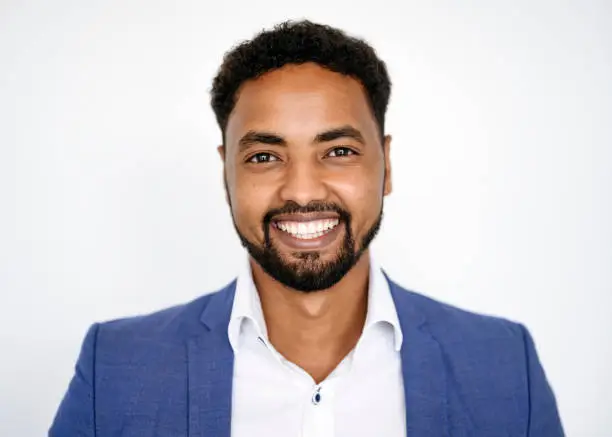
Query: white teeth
point(308, 230)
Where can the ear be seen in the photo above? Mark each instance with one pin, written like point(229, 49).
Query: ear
point(387, 157)
point(221, 151)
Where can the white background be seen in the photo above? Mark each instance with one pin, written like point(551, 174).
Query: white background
point(111, 194)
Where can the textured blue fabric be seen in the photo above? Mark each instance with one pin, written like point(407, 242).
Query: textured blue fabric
point(170, 374)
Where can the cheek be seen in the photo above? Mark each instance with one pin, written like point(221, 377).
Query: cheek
point(250, 203)
point(362, 197)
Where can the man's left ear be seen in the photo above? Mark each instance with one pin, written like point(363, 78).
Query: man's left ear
point(387, 157)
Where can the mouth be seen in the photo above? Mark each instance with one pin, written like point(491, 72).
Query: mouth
point(307, 231)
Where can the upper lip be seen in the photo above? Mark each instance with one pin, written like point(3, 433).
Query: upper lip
point(306, 217)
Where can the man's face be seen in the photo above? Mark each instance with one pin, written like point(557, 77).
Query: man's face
point(305, 174)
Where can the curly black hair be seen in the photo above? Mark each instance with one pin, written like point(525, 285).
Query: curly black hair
point(297, 43)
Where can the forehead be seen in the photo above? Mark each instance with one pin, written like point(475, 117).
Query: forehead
point(298, 101)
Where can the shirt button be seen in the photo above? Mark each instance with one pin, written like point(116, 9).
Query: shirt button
point(316, 397)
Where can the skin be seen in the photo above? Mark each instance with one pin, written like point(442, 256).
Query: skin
point(296, 103)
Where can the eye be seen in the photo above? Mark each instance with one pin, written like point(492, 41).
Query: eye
point(338, 152)
point(261, 158)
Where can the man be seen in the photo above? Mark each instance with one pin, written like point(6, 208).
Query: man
point(312, 339)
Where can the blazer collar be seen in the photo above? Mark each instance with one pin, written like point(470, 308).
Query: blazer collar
point(423, 370)
point(211, 370)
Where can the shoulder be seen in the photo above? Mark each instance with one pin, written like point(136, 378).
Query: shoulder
point(451, 324)
point(176, 322)
point(490, 361)
point(481, 353)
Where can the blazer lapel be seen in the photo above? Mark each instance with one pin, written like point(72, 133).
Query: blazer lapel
point(424, 373)
point(211, 370)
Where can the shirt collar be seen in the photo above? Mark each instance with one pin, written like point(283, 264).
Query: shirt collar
point(247, 306)
point(381, 307)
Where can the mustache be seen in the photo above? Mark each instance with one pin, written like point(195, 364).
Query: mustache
point(292, 207)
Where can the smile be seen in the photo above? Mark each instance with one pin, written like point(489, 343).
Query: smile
point(307, 230)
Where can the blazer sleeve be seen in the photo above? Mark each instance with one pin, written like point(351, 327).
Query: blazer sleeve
point(544, 420)
point(76, 415)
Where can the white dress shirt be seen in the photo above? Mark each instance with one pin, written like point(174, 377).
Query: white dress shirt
point(273, 397)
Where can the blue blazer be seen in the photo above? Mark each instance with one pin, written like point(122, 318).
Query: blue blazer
point(169, 374)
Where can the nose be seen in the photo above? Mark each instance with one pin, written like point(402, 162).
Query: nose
point(303, 183)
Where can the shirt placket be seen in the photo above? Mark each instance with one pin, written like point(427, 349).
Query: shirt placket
point(319, 412)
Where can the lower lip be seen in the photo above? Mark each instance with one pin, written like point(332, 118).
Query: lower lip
point(306, 244)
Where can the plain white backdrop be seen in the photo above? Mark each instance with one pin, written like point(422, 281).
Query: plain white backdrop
point(112, 201)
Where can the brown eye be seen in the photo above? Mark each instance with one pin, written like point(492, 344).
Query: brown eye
point(339, 152)
point(261, 158)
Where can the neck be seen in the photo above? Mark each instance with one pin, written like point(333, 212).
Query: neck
point(315, 330)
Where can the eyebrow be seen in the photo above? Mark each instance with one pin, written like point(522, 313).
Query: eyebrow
point(340, 132)
point(255, 137)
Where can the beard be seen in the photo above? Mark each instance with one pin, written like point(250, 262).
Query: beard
point(309, 272)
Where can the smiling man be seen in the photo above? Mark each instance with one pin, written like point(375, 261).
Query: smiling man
point(312, 339)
